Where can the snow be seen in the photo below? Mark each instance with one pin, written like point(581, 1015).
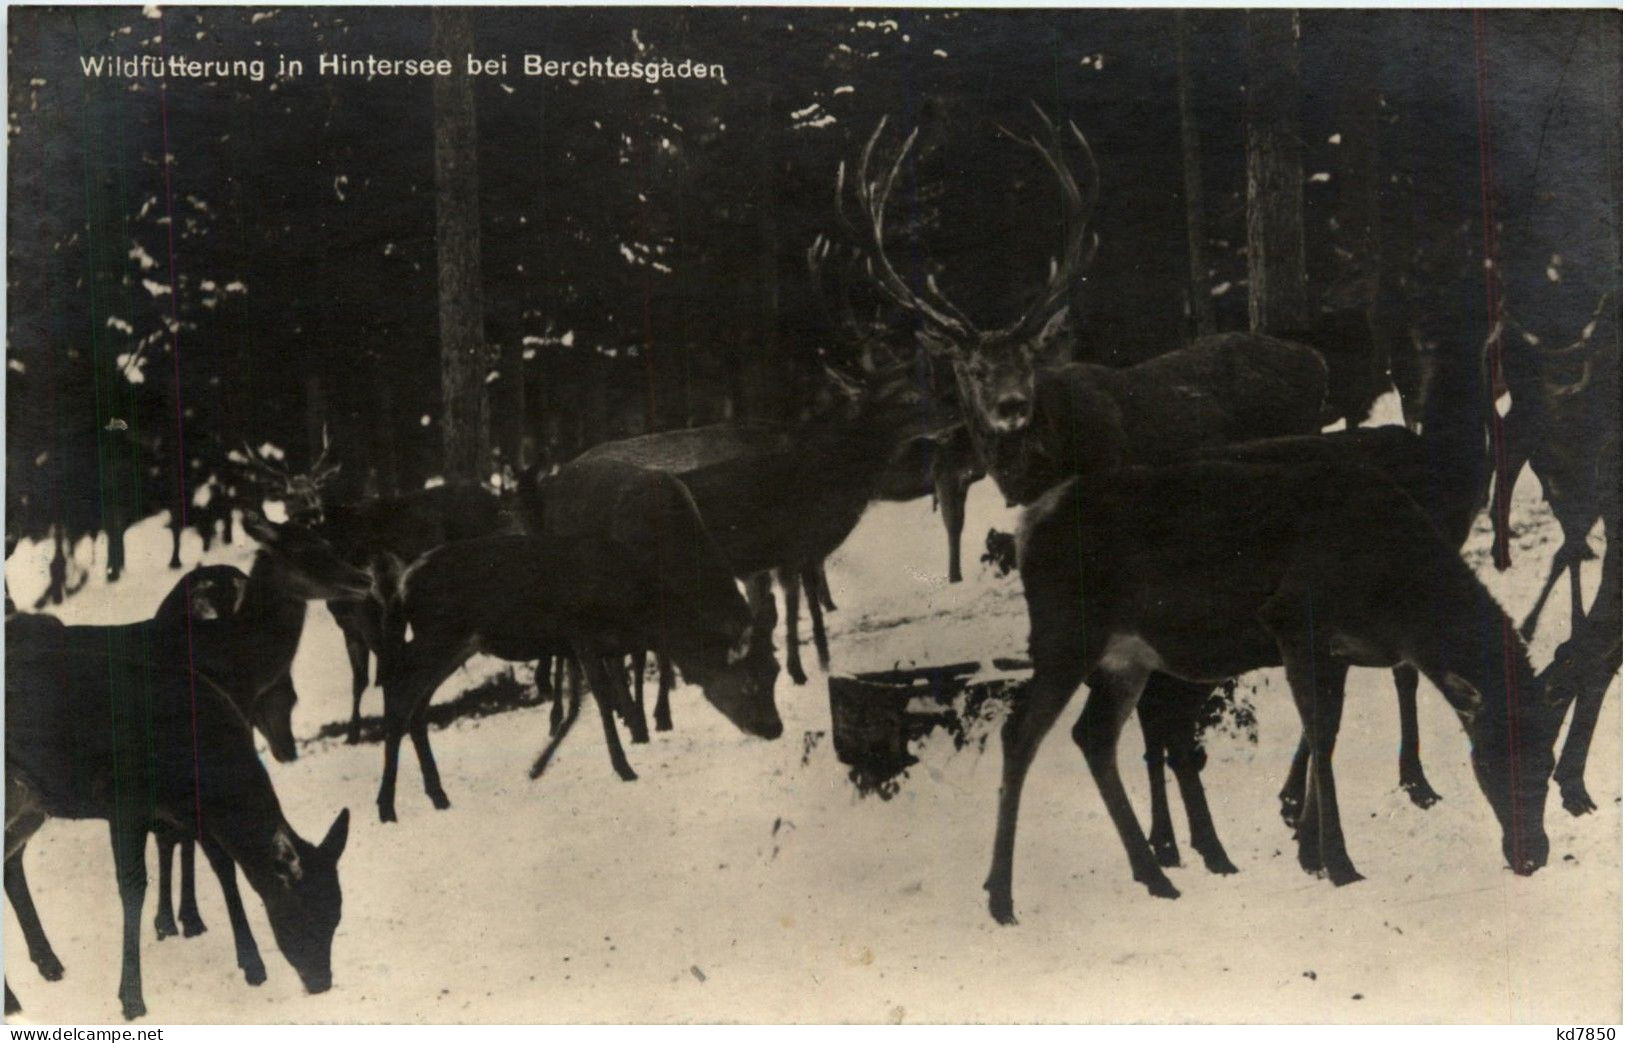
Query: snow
point(741, 880)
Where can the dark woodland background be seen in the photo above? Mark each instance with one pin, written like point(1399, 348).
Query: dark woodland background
point(642, 249)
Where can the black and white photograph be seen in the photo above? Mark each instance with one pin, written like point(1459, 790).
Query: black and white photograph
point(582, 515)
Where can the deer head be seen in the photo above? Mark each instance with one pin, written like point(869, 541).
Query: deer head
point(301, 492)
point(993, 368)
point(299, 882)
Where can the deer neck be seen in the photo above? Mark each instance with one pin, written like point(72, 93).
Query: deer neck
point(268, 599)
point(239, 808)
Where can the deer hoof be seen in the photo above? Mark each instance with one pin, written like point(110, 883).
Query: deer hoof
point(50, 968)
point(1291, 811)
point(254, 973)
point(165, 926)
point(191, 928)
point(1576, 801)
point(1421, 794)
point(439, 800)
point(135, 1008)
point(386, 814)
point(1157, 883)
point(1218, 863)
point(1002, 909)
point(1343, 874)
point(1166, 852)
point(797, 674)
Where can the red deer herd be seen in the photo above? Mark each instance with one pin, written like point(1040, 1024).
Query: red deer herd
point(1185, 522)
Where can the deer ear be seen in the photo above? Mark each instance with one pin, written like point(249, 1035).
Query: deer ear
point(1053, 328)
point(288, 868)
point(261, 530)
point(1463, 696)
point(332, 845)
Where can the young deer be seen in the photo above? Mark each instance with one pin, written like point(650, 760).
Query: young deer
point(1210, 569)
point(111, 723)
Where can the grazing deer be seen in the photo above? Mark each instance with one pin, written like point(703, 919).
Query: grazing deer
point(1033, 427)
point(109, 722)
point(595, 598)
point(244, 632)
point(1210, 569)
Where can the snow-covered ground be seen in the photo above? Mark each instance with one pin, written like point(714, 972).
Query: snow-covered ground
point(741, 880)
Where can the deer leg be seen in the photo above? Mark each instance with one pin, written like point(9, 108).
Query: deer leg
point(1107, 709)
point(394, 732)
point(561, 728)
point(1292, 794)
point(191, 922)
point(1032, 714)
point(1571, 766)
point(556, 718)
point(790, 580)
point(630, 702)
point(22, 903)
point(12, 1006)
point(1559, 562)
point(812, 579)
point(1577, 612)
point(175, 545)
point(426, 765)
point(1317, 688)
point(824, 598)
point(130, 867)
point(640, 666)
point(668, 680)
point(1162, 841)
point(1411, 778)
point(951, 492)
point(164, 922)
point(248, 954)
point(1187, 759)
point(356, 647)
point(602, 684)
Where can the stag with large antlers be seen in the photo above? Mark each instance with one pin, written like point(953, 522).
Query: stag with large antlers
point(1034, 427)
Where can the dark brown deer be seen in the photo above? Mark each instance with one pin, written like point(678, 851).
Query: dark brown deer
point(1562, 398)
point(406, 527)
point(110, 723)
point(244, 633)
point(596, 598)
point(1210, 569)
point(781, 500)
point(1033, 427)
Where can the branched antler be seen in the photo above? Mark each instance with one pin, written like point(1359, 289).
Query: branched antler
point(1081, 241)
point(872, 194)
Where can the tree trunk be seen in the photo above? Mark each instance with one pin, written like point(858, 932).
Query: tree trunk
point(465, 423)
point(1355, 277)
point(1201, 312)
point(1277, 297)
point(761, 360)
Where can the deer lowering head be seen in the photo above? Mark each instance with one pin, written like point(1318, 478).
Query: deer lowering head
point(993, 367)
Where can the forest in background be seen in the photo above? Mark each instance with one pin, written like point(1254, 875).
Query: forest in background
point(208, 263)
